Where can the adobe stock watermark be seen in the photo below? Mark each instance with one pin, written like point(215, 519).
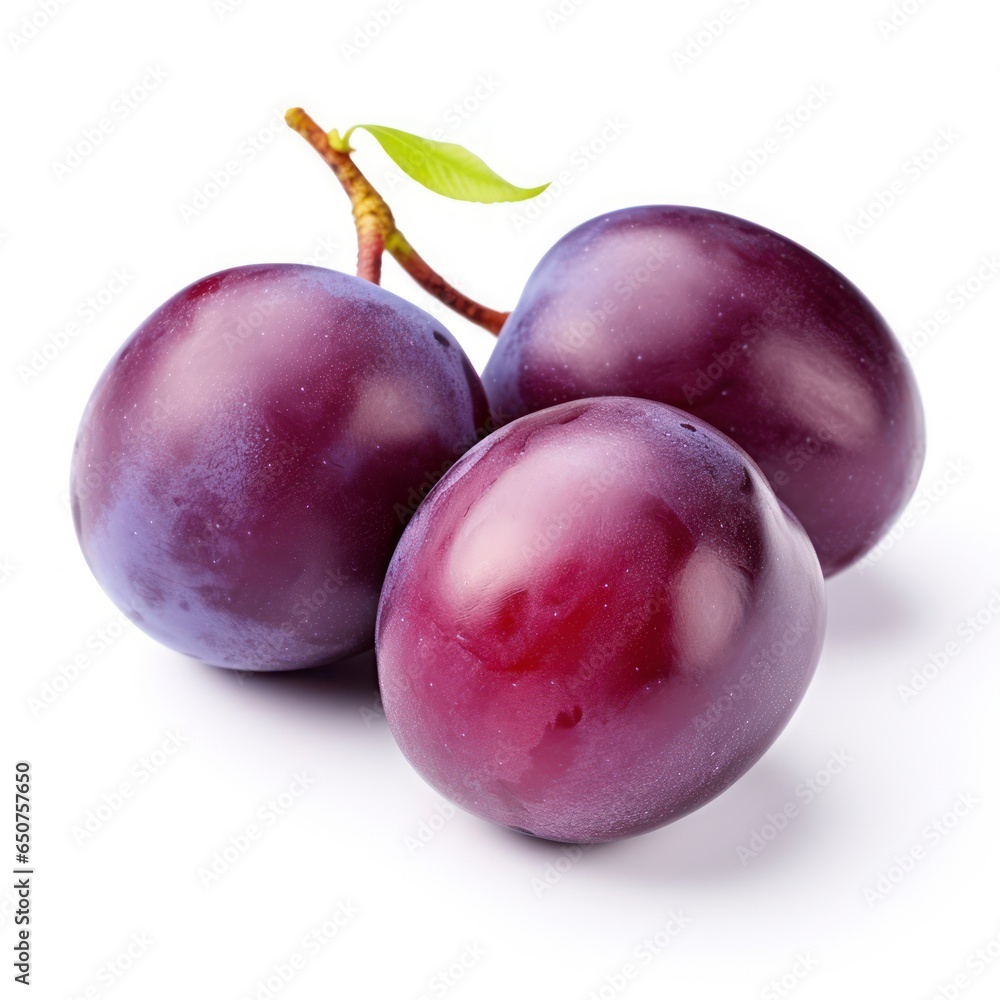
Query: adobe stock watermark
point(924, 500)
point(898, 17)
point(323, 252)
point(580, 161)
point(7, 569)
point(368, 31)
point(727, 700)
point(374, 714)
point(67, 674)
point(111, 972)
point(466, 107)
point(643, 955)
point(708, 33)
point(977, 963)
point(219, 180)
point(782, 986)
point(446, 979)
point(429, 827)
point(139, 774)
point(558, 15)
point(940, 660)
point(223, 8)
point(416, 494)
point(274, 645)
point(554, 871)
point(887, 196)
point(756, 156)
point(479, 779)
point(332, 581)
point(577, 335)
point(313, 943)
point(798, 458)
point(806, 792)
point(87, 311)
point(122, 108)
point(956, 299)
point(930, 837)
point(33, 24)
point(777, 306)
point(218, 532)
point(266, 817)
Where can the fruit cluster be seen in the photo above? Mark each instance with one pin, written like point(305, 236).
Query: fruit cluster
point(611, 600)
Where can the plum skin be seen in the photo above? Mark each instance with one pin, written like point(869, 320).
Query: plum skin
point(742, 327)
point(596, 621)
point(248, 460)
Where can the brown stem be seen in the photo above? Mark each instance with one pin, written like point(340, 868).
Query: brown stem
point(372, 217)
point(370, 248)
point(377, 229)
point(428, 279)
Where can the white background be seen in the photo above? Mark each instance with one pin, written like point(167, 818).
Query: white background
point(601, 96)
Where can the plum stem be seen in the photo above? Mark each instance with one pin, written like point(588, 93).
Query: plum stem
point(377, 230)
point(372, 218)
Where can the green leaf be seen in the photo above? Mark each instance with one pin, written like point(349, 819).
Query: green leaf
point(443, 167)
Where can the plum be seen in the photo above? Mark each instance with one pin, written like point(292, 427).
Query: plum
point(250, 456)
point(741, 327)
point(598, 619)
